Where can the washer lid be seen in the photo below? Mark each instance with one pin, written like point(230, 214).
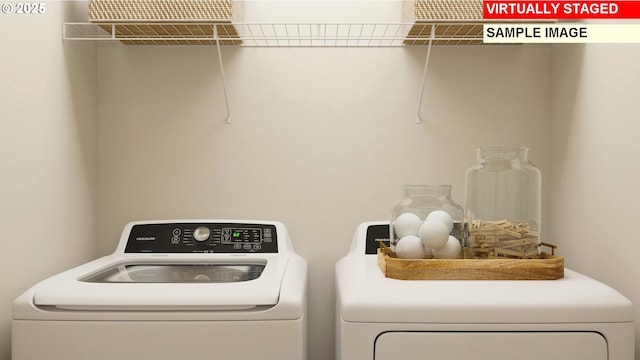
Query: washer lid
point(177, 285)
point(178, 273)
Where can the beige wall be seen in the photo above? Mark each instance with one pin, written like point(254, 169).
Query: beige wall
point(595, 165)
point(321, 139)
point(47, 152)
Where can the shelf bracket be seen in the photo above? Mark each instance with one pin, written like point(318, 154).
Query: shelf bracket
point(424, 74)
point(224, 80)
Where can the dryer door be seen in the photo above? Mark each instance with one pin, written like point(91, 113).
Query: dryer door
point(490, 346)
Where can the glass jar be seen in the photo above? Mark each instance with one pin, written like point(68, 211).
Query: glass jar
point(503, 204)
point(421, 200)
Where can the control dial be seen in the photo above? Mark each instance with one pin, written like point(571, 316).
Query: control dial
point(201, 233)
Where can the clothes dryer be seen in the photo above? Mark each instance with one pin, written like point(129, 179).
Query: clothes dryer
point(379, 318)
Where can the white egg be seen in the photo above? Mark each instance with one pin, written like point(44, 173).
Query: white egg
point(442, 216)
point(433, 233)
point(451, 250)
point(428, 253)
point(406, 224)
point(409, 247)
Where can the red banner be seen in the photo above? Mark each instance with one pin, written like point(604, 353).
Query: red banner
point(501, 9)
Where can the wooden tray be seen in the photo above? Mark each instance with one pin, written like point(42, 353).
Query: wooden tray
point(547, 267)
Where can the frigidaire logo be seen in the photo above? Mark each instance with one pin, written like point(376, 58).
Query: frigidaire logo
point(146, 238)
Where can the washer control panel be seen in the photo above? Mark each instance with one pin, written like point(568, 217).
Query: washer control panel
point(202, 238)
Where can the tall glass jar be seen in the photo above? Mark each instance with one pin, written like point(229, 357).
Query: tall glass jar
point(503, 204)
point(421, 200)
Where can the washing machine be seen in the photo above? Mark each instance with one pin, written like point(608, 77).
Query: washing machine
point(379, 318)
point(179, 289)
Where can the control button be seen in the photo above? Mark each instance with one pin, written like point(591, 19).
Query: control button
point(267, 240)
point(201, 233)
point(175, 240)
point(247, 246)
point(237, 246)
point(177, 232)
point(257, 246)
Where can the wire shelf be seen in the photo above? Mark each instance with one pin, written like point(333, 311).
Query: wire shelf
point(279, 34)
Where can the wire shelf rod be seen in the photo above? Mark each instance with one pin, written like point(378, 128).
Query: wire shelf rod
point(224, 80)
point(424, 76)
point(278, 34)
